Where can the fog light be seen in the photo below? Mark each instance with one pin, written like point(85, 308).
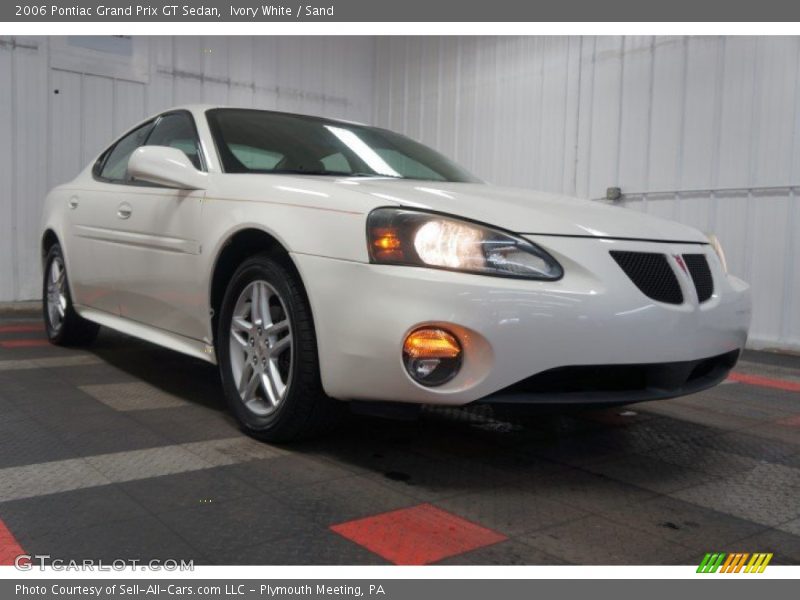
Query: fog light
point(432, 356)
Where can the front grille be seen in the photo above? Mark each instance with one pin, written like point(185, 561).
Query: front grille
point(701, 275)
point(618, 383)
point(651, 273)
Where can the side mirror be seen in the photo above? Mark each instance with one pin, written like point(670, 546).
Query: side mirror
point(165, 166)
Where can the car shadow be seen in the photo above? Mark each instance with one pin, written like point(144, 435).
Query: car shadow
point(190, 379)
point(444, 451)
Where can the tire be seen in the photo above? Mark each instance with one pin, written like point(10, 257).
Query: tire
point(63, 325)
point(272, 385)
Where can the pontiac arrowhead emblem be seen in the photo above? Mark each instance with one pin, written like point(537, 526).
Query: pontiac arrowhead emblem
point(679, 259)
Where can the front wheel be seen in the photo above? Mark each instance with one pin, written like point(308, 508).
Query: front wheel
point(64, 326)
point(267, 353)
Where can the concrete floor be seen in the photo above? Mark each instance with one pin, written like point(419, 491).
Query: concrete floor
point(124, 450)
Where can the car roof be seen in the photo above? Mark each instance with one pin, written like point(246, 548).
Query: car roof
point(198, 110)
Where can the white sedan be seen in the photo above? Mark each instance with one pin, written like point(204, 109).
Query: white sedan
point(318, 261)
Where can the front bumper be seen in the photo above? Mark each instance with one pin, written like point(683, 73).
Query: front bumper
point(617, 384)
point(511, 330)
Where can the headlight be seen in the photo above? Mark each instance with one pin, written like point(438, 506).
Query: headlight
point(714, 241)
point(399, 236)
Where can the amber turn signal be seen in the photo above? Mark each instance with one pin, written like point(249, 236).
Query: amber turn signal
point(431, 343)
point(386, 245)
point(432, 355)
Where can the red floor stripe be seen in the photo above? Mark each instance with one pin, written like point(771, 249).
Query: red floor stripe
point(778, 384)
point(9, 547)
point(22, 328)
point(31, 343)
point(418, 535)
point(793, 421)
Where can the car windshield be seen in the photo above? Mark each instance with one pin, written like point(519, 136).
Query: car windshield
point(257, 141)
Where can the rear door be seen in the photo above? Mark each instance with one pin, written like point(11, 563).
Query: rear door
point(93, 253)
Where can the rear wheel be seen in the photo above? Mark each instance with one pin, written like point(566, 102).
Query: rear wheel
point(267, 352)
point(64, 326)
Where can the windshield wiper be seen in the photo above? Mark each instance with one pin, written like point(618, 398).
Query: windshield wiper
point(358, 174)
point(321, 173)
point(304, 172)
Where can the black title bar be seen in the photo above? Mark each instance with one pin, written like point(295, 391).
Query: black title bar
point(401, 10)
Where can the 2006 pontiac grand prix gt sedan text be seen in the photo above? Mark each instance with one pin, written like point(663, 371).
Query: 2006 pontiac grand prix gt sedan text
point(317, 260)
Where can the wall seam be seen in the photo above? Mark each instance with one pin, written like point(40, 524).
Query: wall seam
point(620, 112)
point(794, 216)
point(575, 160)
point(649, 133)
point(748, 238)
point(678, 199)
point(15, 282)
point(717, 133)
point(591, 119)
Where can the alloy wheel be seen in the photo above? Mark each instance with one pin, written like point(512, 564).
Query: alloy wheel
point(56, 293)
point(261, 348)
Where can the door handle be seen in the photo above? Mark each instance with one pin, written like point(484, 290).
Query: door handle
point(124, 210)
point(73, 203)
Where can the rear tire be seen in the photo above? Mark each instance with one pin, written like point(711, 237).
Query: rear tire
point(267, 353)
point(63, 325)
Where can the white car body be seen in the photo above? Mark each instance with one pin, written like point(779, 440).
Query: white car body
point(142, 260)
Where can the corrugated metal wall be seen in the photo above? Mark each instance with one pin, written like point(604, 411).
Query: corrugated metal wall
point(704, 130)
point(47, 137)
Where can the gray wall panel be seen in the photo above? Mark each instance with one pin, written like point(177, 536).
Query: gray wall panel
point(47, 138)
point(676, 122)
point(690, 128)
point(8, 208)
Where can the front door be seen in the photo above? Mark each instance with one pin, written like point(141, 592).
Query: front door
point(160, 282)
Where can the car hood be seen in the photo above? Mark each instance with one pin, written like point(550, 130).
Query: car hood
point(526, 211)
